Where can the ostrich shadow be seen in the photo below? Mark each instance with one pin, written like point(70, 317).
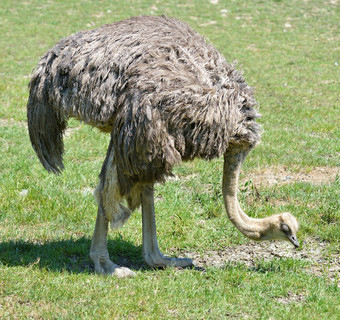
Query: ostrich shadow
point(68, 255)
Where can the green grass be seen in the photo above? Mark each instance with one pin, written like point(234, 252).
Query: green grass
point(289, 52)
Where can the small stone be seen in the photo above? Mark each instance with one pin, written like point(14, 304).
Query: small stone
point(87, 191)
point(189, 255)
point(23, 193)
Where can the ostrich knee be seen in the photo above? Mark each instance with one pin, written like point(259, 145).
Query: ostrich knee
point(108, 196)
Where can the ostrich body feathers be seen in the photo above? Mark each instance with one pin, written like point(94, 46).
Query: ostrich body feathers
point(164, 93)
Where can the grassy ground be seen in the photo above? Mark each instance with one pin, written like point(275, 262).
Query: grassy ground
point(289, 50)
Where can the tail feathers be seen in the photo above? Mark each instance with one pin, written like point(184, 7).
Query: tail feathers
point(46, 130)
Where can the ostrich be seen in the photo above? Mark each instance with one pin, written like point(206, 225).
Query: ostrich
point(165, 95)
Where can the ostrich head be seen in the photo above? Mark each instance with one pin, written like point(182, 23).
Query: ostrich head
point(282, 226)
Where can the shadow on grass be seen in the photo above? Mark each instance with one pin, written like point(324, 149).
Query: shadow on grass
point(68, 255)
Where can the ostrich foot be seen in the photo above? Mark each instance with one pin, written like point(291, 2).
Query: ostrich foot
point(158, 260)
point(104, 266)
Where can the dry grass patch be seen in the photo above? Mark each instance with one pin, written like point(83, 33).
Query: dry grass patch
point(282, 175)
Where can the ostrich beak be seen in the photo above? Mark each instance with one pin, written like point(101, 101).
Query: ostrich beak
point(293, 240)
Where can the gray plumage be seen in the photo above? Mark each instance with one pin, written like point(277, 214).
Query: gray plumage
point(163, 92)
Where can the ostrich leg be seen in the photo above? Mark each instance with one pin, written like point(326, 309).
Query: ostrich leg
point(99, 253)
point(151, 253)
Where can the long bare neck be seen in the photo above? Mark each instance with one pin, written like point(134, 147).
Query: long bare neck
point(255, 229)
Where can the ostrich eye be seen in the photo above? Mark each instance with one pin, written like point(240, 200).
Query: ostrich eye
point(285, 228)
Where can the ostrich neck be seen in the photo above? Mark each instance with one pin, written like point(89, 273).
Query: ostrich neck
point(252, 228)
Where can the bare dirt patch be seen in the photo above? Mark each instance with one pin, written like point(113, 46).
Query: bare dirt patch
point(291, 298)
point(322, 262)
point(282, 175)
